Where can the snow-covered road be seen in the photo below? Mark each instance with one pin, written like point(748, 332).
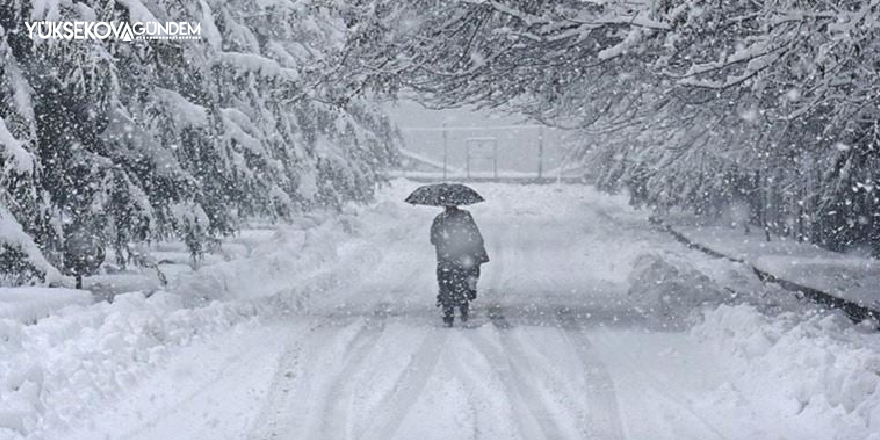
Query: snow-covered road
point(559, 347)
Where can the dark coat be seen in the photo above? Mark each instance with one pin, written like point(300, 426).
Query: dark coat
point(457, 239)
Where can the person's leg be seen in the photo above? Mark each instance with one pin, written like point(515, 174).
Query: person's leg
point(445, 296)
point(465, 311)
point(460, 284)
point(442, 282)
point(460, 290)
point(448, 315)
point(473, 276)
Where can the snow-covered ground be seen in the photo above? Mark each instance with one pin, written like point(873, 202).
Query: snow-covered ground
point(589, 324)
point(849, 276)
point(30, 304)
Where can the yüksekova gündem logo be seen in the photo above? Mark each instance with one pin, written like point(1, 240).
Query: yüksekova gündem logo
point(122, 31)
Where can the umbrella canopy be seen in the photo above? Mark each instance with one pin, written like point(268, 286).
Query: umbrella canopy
point(443, 194)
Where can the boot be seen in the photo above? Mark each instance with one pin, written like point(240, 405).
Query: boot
point(448, 315)
point(465, 309)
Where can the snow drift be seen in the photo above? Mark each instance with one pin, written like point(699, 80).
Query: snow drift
point(27, 305)
point(668, 288)
point(819, 372)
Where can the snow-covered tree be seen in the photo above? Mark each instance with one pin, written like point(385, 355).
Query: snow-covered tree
point(109, 138)
point(693, 104)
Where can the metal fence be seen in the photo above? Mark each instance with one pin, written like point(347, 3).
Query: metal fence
point(482, 152)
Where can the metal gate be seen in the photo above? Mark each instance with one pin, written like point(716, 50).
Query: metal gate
point(482, 149)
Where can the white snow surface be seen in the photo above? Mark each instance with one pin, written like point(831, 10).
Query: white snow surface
point(811, 377)
point(29, 304)
point(589, 325)
point(850, 276)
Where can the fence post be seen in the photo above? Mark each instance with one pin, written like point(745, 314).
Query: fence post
point(495, 155)
point(540, 152)
point(445, 150)
point(468, 153)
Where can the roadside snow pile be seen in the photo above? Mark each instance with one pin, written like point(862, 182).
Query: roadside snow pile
point(55, 372)
point(663, 286)
point(28, 304)
point(672, 287)
point(272, 267)
point(820, 375)
point(298, 261)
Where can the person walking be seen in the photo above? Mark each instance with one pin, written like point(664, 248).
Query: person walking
point(460, 252)
point(458, 243)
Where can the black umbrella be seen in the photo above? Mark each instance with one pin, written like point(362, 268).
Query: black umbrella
point(442, 194)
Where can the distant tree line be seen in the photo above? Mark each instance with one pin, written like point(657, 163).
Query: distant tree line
point(104, 143)
point(700, 105)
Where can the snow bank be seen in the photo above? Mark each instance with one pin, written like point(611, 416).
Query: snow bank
point(673, 284)
point(667, 287)
point(106, 287)
point(818, 375)
point(29, 304)
point(299, 262)
point(55, 372)
point(848, 276)
point(310, 248)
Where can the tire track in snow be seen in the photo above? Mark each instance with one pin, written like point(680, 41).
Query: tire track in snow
point(272, 407)
point(496, 265)
point(289, 412)
point(409, 385)
point(657, 387)
point(235, 367)
point(520, 388)
point(339, 399)
point(471, 382)
point(605, 413)
point(602, 419)
point(518, 384)
point(494, 291)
